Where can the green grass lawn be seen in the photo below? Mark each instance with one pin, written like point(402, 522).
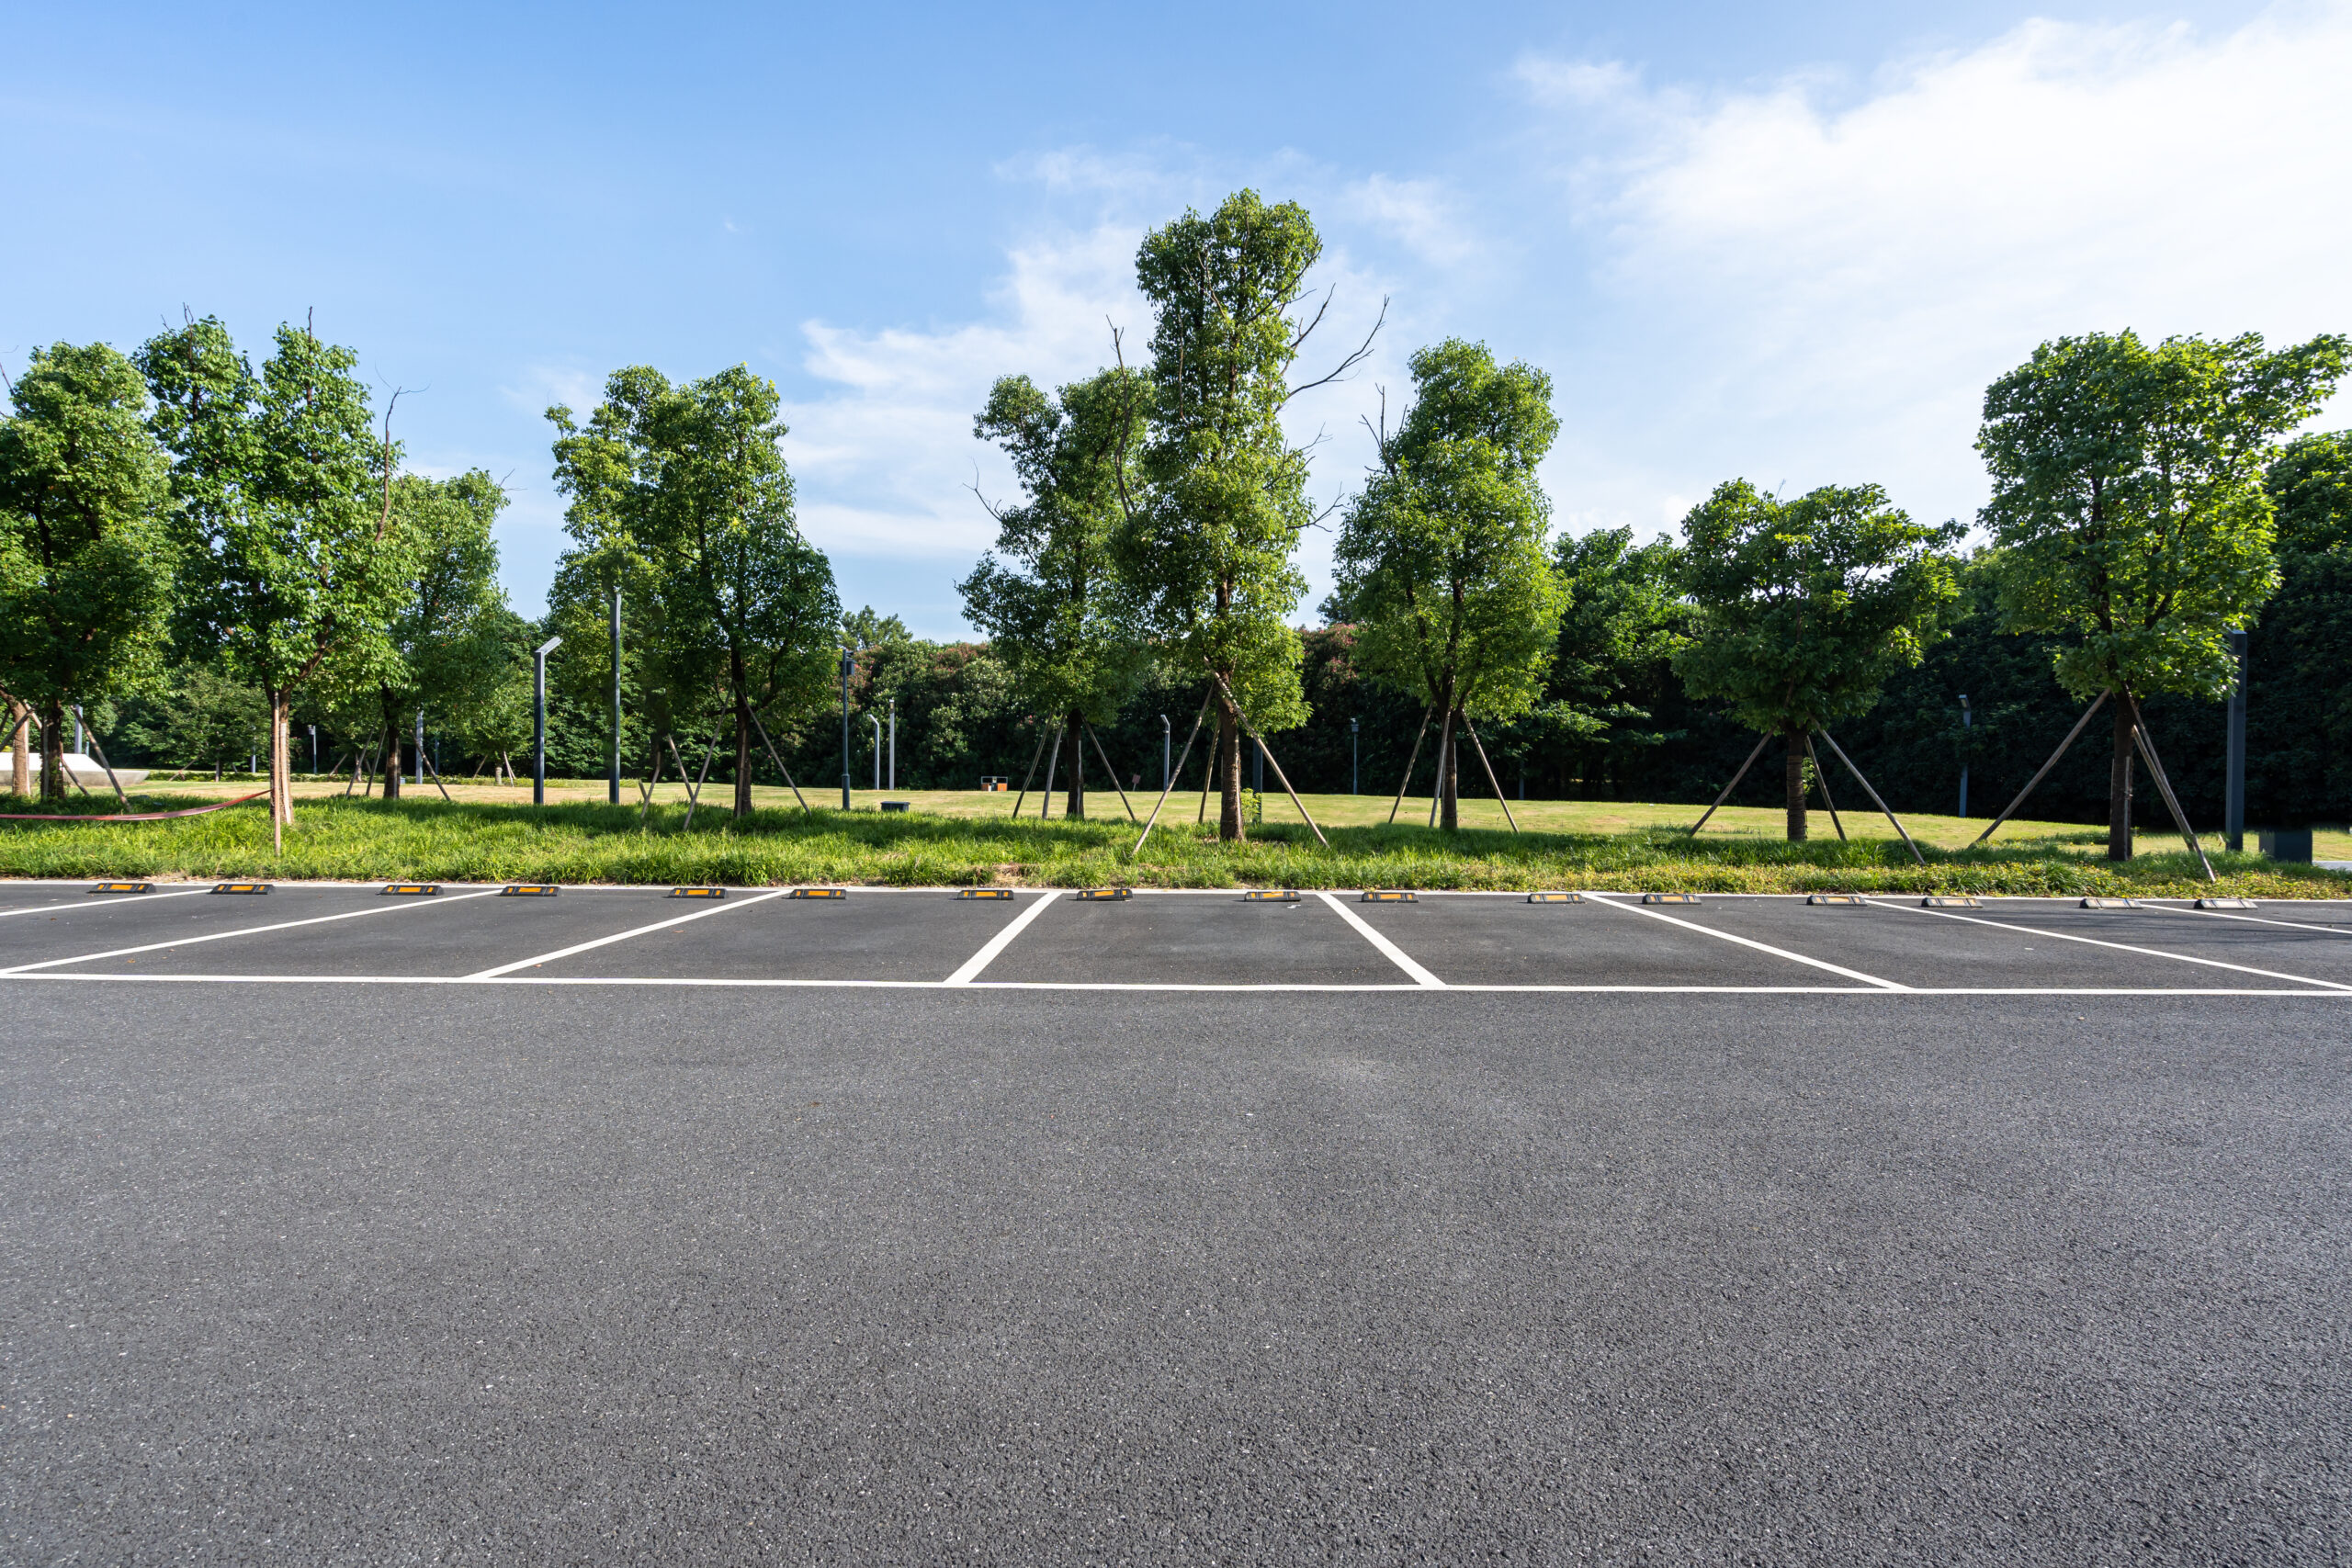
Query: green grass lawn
point(967, 838)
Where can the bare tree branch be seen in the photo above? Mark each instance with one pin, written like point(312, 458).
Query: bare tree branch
point(1363, 352)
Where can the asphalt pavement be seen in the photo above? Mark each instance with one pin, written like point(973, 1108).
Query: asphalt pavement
point(751, 1238)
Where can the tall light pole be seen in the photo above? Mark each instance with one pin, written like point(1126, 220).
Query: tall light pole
point(315, 749)
point(419, 780)
point(1166, 735)
point(894, 743)
point(2233, 775)
point(538, 720)
point(876, 721)
point(1967, 721)
point(1355, 773)
point(847, 660)
point(613, 783)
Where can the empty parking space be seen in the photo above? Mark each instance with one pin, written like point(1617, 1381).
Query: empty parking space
point(1473, 940)
point(459, 931)
point(1214, 939)
point(871, 934)
point(95, 924)
point(2190, 951)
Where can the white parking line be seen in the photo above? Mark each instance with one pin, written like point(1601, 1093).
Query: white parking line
point(1743, 942)
point(1395, 953)
point(999, 942)
point(84, 902)
point(2258, 919)
point(704, 913)
point(2118, 946)
point(392, 908)
point(760, 982)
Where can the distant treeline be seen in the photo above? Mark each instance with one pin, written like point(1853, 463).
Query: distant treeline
point(958, 721)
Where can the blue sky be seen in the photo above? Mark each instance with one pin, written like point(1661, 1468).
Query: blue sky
point(1791, 243)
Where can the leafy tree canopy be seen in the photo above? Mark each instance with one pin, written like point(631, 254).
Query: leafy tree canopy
point(2309, 485)
point(2128, 495)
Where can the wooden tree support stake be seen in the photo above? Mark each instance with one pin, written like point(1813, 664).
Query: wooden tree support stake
point(1821, 776)
point(1874, 795)
point(101, 753)
point(1412, 761)
point(1029, 778)
point(2010, 811)
point(1046, 795)
point(425, 762)
point(1266, 752)
point(2164, 786)
point(779, 763)
point(694, 791)
point(1168, 786)
point(1731, 786)
point(1112, 773)
point(1492, 782)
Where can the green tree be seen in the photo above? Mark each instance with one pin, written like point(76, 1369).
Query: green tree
point(445, 632)
point(1048, 596)
point(1805, 607)
point(1205, 546)
point(1612, 675)
point(689, 480)
point(291, 555)
point(1441, 561)
point(2128, 496)
point(86, 564)
point(2309, 485)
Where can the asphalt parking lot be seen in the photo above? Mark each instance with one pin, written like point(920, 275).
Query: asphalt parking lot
point(900, 1228)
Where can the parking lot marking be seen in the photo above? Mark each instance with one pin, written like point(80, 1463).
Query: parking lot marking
point(241, 930)
point(999, 942)
point(703, 913)
point(83, 902)
point(1395, 953)
point(1744, 941)
point(1399, 989)
point(2125, 947)
point(2258, 919)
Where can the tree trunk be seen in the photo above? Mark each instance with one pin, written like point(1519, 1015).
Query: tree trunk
point(1229, 827)
point(1450, 772)
point(742, 751)
point(2119, 787)
point(53, 751)
point(1793, 775)
point(1075, 805)
point(392, 758)
point(20, 749)
point(281, 759)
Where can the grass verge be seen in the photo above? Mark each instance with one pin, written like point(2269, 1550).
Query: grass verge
point(360, 840)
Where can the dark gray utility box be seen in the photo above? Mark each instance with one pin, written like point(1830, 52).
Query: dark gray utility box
point(2287, 843)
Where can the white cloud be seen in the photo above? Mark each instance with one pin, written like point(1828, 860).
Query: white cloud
point(1419, 214)
point(885, 463)
point(1826, 289)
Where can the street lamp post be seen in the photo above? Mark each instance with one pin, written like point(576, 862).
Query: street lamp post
point(847, 660)
point(874, 719)
point(1967, 722)
point(315, 749)
point(894, 743)
point(2233, 775)
point(1166, 736)
point(538, 720)
point(1355, 773)
point(419, 780)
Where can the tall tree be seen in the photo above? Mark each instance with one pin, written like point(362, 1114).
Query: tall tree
point(2128, 493)
point(284, 503)
point(690, 477)
point(446, 630)
point(1048, 596)
point(1206, 546)
point(1443, 566)
point(1806, 607)
point(1611, 673)
point(86, 564)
